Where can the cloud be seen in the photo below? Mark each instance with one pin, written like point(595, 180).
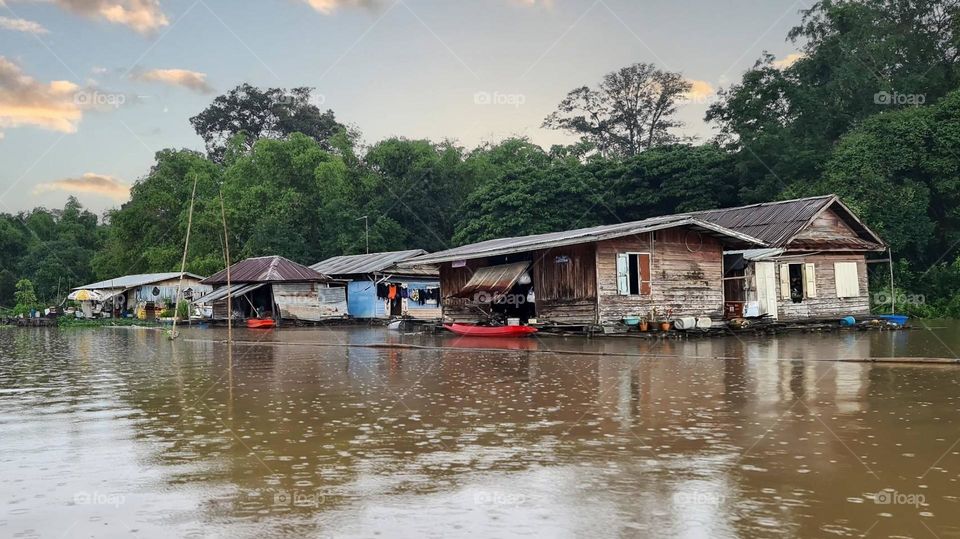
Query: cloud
point(192, 80)
point(90, 182)
point(699, 91)
point(27, 101)
point(788, 60)
point(329, 6)
point(144, 16)
point(21, 25)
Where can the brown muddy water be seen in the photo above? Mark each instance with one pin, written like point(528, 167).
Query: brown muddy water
point(123, 433)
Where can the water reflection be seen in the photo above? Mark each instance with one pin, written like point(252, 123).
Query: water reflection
point(107, 432)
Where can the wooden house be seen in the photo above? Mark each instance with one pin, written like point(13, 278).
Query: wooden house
point(377, 288)
point(590, 276)
point(274, 287)
point(814, 264)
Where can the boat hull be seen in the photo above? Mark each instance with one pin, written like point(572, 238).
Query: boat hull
point(490, 331)
point(258, 323)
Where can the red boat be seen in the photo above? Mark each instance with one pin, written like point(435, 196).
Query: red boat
point(490, 331)
point(260, 323)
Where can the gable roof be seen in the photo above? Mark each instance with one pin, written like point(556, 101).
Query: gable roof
point(503, 246)
point(265, 269)
point(779, 223)
point(133, 281)
point(363, 264)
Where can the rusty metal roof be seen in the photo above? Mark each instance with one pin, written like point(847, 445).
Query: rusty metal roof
point(368, 263)
point(535, 242)
point(494, 280)
point(778, 223)
point(266, 269)
point(773, 222)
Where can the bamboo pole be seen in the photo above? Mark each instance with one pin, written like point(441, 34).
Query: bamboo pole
point(183, 262)
point(893, 291)
point(226, 254)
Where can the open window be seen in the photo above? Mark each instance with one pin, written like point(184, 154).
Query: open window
point(798, 282)
point(633, 274)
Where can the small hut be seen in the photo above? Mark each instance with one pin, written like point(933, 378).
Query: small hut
point(278, 288)
point(378, 288)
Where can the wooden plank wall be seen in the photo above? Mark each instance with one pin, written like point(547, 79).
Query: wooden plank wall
point(827, 226)
point(826, 304)
point(566, 290)
point(687, 272)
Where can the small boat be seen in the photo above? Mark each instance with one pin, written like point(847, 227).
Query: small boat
point(490, 331)
point(260, 323)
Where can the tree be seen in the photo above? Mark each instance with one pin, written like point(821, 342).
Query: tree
point(25, 297)
point(859, 58)
point(256, 113)
point(631, 110)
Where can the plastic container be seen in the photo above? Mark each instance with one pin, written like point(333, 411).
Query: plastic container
point(687, 322)
point(848, 321)
point(704, 322)
point(513, 321)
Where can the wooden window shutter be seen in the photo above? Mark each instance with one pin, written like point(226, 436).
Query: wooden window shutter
point(623, 274)
point(784, 282)
point(847, 279)
point(643, 261)
point(810, 280)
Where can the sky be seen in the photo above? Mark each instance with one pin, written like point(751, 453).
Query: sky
point(90, 90)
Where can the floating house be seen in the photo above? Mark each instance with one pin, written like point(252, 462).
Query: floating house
point(795, 259)
point(814, 265)
point(275, 287)
point(378, 288)
point(590, 276)
point(124, 295)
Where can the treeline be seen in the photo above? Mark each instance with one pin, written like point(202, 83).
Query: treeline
point(870, 110)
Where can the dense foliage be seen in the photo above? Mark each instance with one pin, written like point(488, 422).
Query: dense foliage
point(870, 110)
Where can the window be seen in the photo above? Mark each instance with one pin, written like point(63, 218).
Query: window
point(633, 274)
point(847, 278)
point(798, 282)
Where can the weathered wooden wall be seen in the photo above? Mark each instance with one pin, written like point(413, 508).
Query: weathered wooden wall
point(827, 226)
point(686, 275)
point(826, 303)
point(565, 283)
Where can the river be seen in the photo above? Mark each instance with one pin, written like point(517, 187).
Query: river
point(324, 433)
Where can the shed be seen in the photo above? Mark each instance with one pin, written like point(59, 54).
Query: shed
point(278, 288)
point(378, 288)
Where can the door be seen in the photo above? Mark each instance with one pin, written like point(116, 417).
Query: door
point(766, 277)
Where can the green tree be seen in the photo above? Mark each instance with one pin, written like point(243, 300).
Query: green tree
point(25, 297)
point(631, 110)
point(257, 113)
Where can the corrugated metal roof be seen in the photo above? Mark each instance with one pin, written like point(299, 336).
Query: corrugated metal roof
point(234, 290)
point(363, 264)
point(773, 222)
point(582, 235)
point(493, 279)
point(266, 269)
point(133, 281)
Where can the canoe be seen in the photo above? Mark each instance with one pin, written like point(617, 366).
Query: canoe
point(490, 331)
point(260, 323)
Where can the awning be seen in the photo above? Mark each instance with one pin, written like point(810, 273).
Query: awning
point(232, 291)
point(494, 280)
point(94, 295)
